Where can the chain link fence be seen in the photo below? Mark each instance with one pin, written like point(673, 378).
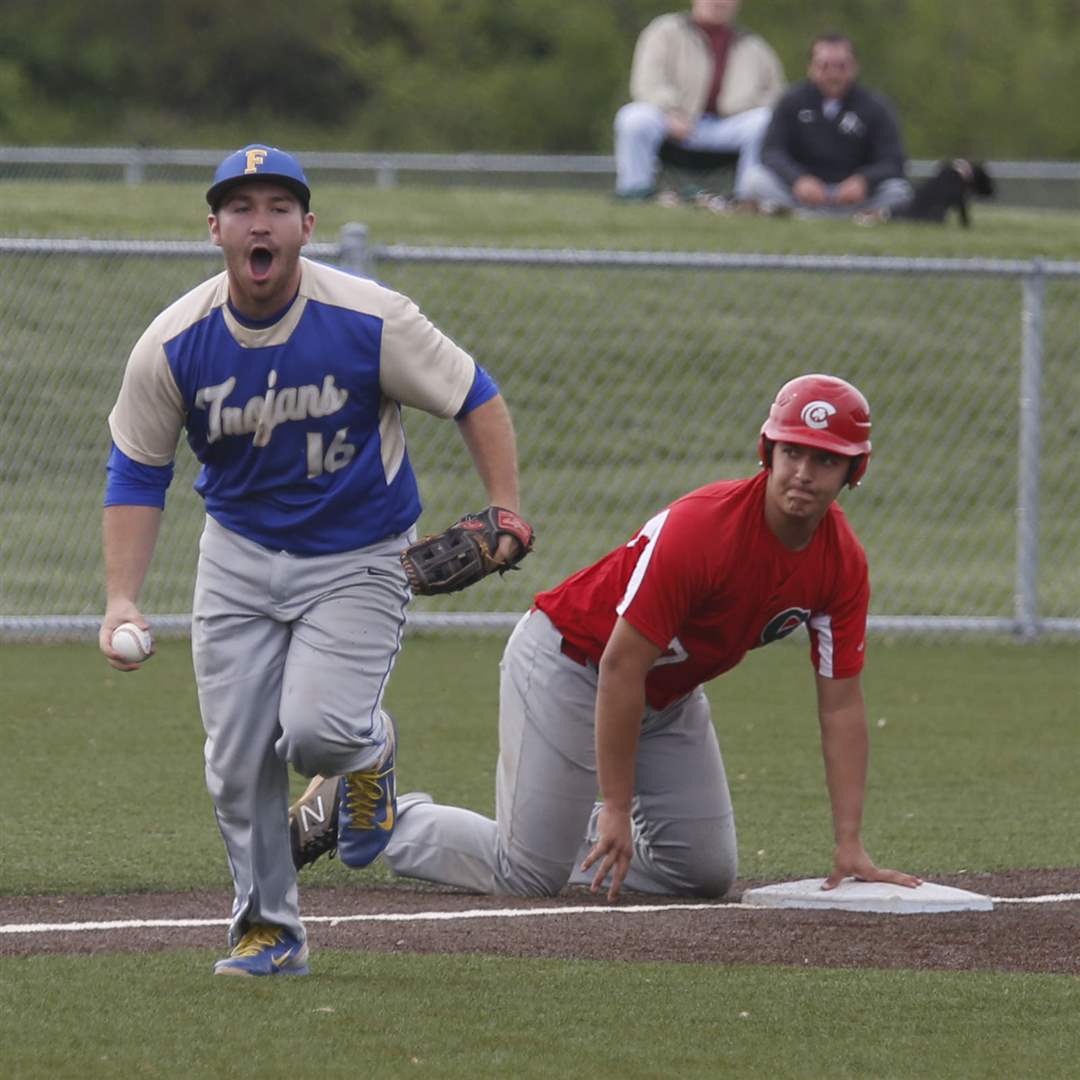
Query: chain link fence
point(633, 377)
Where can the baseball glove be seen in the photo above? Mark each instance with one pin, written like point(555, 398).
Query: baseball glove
point(465, 552)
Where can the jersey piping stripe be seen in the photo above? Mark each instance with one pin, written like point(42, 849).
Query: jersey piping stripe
point(651, 529)
point(391, 438)
point(822, 626)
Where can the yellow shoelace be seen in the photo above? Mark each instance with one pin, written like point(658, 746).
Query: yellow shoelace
point(257, 939)
point(362, 792)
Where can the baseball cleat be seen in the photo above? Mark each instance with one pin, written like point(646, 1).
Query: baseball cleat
point(265, 950)
point(367, 807)
point(313, 821)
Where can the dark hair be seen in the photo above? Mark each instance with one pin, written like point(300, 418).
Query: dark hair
point(832, 37)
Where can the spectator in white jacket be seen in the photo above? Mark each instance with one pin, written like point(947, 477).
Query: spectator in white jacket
point(701, 82)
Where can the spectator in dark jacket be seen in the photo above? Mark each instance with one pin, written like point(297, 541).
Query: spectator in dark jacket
point(833, 147)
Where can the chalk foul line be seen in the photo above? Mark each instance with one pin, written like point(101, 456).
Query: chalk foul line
point(443, 916)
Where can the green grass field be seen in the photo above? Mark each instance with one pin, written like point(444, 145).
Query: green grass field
point(973, 747)
point(485, 1018)
point(974, 742)
point(522, 217)
point(973, 750)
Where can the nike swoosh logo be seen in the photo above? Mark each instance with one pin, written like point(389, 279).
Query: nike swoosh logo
point(391, 782)
point(279, 961)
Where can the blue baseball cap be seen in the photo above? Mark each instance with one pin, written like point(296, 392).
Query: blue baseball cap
point(259, 162)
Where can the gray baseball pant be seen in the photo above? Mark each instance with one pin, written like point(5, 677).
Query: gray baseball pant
point(292, 656)
point(684, 827)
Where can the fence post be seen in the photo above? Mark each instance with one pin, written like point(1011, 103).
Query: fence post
point(355, 250)
point(1033, 322)
point(134, 167)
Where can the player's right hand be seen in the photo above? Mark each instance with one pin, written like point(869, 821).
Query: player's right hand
point(114, 616)
point(850, 860)
point(612, 852)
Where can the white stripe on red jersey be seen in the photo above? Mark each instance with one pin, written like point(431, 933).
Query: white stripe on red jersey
point(821, 629)
point(650, 530)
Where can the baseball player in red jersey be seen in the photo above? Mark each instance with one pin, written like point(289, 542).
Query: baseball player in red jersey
point(602, 681)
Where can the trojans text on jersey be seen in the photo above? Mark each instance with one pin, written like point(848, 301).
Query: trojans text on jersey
point(262, 413)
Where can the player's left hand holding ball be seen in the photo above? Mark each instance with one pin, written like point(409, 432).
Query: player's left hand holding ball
point(126, 644)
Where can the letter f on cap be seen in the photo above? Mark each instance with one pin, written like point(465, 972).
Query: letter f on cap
point(255, 157)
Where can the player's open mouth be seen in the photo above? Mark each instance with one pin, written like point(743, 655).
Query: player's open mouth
point(260, 260)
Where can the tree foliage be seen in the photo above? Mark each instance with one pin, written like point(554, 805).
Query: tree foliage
point(992, 79)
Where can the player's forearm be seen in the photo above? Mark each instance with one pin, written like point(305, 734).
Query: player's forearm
point(845, 748)
point(128, 535)
point(620, 704)
point(488, 432)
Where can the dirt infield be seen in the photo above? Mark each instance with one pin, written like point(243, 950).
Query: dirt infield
point(1038, 937)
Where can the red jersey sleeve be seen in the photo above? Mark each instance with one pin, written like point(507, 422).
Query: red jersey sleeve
point(838, 631)
point(669, 576)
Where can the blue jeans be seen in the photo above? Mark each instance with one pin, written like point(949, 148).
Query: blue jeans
point(765, 187)
point(640, 128)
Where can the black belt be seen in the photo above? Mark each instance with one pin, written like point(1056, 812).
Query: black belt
point(573, 652)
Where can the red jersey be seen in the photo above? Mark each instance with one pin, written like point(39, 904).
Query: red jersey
point(706, 581)
point(719, 40)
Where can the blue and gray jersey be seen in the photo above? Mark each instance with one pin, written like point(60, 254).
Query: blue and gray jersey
point(297, 423)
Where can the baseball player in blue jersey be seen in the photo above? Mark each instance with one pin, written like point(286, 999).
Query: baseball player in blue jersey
point(288, 378)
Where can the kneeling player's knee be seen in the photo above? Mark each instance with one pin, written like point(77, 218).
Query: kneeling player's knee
point(706, 877)
point(702, 863)
point(516, 878)
point(715, 870)
point(715, 878)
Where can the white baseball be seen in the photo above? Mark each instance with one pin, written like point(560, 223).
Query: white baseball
point(131, 643)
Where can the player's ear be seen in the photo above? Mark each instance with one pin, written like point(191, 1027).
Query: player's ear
point(309, 226)
point(215, 231)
